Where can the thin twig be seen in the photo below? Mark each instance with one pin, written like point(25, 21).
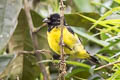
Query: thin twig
point(110, 64)
point(36, 51)
point(34, 39)
point(62, 63)
point(26, 52)
point(42, 51)
point(39, 28)
point(18, 78)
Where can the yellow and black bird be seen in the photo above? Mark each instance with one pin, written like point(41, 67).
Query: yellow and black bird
point(72, 44)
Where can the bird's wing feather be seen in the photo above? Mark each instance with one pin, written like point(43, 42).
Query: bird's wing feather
point(70, 30)
point(70, 38)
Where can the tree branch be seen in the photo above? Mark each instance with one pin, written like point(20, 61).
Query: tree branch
point(39, 28)
point(32, 52)
point(110, 64)
point(34, 39)
point(62, 63)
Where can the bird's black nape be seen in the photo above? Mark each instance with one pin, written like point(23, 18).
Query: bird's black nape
point(54, 16)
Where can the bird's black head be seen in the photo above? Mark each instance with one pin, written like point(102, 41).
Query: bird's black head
point(53, 20)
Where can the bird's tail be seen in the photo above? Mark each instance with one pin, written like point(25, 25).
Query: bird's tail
point(94, 60)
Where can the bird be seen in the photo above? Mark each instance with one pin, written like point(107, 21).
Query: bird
point(72, 43)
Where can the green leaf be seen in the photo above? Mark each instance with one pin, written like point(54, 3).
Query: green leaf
point(4, 60)
point(104, 16)
point(89, 37)
point(101, 23)
point(103, 36)
point(83, 5)
point(112, 21)
point(118, 1)
point(110, 45)
point(22, 66)
point(21, 39)
point(79, 21)
point(68, 62)
point(78, 64)
point(115, 76)
point(108, 51)
point(104, 58)
point(78, 72)
point(9, 10)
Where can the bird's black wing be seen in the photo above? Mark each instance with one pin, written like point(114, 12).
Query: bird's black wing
point(68, 47)
point(70, 30)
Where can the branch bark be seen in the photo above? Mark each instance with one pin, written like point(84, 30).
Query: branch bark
point(34, 38)
point(62, 63)
point(36, 51)
point(104, 66)
point(39, 28)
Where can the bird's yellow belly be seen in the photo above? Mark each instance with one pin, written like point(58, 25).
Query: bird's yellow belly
point(72, 41)
point(54, 40)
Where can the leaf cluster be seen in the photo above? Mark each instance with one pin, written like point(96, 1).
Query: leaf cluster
point(96, 22)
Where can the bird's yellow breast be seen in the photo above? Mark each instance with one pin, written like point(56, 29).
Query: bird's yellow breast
point(69, 39)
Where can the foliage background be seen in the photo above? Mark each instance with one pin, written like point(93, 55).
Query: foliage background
point(97, 22)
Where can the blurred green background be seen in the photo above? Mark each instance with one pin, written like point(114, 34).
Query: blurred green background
point(97, 23)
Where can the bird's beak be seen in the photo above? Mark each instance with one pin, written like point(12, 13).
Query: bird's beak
point(46, 20)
